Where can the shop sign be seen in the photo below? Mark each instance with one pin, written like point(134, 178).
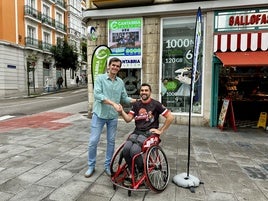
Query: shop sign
point(241, 20)
point(125, 39)
point(11, 66)
point(91, 33)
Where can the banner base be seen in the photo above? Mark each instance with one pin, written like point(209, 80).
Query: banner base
point(185, 181)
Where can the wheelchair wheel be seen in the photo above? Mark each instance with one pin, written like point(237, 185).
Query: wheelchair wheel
point(156, 169)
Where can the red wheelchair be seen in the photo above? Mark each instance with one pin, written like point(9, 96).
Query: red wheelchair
point(156, 171)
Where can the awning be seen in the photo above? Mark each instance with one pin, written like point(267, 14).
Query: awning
point(246, 59)
point(241, 42)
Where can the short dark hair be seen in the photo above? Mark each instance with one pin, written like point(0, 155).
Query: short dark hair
point(147, 85)
point(115, 59)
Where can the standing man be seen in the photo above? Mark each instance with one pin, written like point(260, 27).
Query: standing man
point(146, 113)
point(109, 91)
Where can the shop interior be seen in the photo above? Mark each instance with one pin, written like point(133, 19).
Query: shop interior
point(247, 87)
point(132, 80)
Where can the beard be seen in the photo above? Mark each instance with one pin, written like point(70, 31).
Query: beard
point(145, 97)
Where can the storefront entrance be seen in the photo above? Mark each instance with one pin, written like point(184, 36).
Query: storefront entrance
point(241, 46)
point(247, 87)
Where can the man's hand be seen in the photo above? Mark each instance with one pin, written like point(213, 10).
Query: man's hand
point(118, 108)
point(156, 131)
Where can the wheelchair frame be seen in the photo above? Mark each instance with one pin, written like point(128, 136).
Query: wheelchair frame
point(156, 168)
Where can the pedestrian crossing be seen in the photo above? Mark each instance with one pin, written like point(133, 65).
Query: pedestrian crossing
point(43, 120)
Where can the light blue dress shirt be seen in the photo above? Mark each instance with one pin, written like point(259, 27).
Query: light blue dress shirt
point(114, 90)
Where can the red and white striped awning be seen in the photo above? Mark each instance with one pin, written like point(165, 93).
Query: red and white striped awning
point(232, 42)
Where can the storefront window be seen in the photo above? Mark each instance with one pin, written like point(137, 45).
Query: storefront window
point(125, 42)
point(177, 54)
point(247, 87)
point(132, 80)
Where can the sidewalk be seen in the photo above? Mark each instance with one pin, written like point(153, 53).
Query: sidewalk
point(44, 92)
point(44, 157)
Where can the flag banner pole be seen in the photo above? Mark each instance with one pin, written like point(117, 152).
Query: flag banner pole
point(185, 179)
point(99, 61)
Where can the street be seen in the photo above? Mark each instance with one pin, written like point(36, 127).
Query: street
point(26, 106)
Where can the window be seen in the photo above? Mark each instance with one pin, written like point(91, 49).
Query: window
point(177, 54)
point(31, 3)
point(58, 17)
point(46, 41)
point(46, 10)
point(59, 39)
point(31, 35)
point(46, 37)
point(132, 80)
point(83, 31)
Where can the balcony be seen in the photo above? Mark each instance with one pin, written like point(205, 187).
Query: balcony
point(34, 43)
point(121, 3)
point(32, 13)
point(48, 20)
point(61, 4)
point(51, 1)
point(60, 27)
point(46, 46)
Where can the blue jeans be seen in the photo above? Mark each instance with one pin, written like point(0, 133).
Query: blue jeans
point(97, 125)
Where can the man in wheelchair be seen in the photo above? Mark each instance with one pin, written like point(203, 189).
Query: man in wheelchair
point(146, 113)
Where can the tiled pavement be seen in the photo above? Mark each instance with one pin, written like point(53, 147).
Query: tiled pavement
point(44, 157)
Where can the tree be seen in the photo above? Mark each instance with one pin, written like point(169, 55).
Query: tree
point(65, 56)
point(84, 50)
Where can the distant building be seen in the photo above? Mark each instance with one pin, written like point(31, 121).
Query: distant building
point(28, 30)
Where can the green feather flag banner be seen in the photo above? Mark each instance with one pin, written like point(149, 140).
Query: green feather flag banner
point(99, 61)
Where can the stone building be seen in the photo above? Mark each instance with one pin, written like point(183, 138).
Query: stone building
point(163, 49)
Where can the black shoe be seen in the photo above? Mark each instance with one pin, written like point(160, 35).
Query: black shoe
point(139, 175)
point(127, 182)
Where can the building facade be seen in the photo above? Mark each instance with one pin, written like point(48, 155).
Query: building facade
point(161, 49)
point(240, 66)
point(76, 33)
point(29, 28)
